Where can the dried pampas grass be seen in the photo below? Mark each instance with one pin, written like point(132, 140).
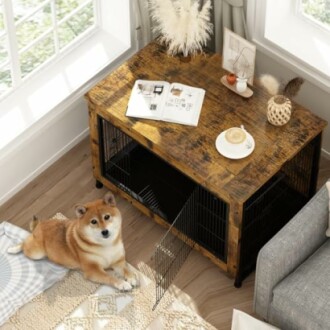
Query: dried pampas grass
point(182, 26)
point(273, 87)
point(270, 83)
point(293, 87)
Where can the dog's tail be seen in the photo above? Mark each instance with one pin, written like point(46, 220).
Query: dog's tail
point(19, 247)
point(34, 223)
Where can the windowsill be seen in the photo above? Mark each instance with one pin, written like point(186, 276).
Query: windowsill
point(60, 83)
point(291, 40)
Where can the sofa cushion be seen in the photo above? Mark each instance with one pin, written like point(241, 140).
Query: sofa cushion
point(328, 188)
point(303, 297)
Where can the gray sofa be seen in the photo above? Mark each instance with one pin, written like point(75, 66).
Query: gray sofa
point(292, 286)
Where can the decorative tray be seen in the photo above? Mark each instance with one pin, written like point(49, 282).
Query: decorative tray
point(247, 93)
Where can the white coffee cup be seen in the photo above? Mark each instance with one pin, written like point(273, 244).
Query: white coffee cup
point(235, 139)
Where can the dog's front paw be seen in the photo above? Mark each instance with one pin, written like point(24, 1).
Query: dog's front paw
point(132, 280)
point(123, 286)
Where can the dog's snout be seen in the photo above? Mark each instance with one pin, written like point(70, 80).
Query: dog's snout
point(105, 232)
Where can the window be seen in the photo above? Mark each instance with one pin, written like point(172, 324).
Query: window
point(49, 91)
point(287, 31)
point(34, 32)
point(317, 11)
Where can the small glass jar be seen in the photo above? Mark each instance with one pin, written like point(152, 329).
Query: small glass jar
point(241, 84)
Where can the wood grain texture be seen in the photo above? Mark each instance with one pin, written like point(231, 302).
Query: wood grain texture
point(192, 150)
point(204, 286)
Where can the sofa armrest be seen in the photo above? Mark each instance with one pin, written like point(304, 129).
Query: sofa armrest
point(293, 244)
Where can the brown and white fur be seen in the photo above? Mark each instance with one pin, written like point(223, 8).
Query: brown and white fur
point(92, 242)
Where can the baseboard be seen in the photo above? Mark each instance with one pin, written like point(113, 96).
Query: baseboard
point(325, 154)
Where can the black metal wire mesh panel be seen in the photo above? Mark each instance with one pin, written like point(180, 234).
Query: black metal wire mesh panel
point(115, 148)
point(172, 251)
point(299, 170)
point(212, 223)
point(204, 220)
point(114, 140)
point(262, 201)
point(264, 214)
point(142, 174)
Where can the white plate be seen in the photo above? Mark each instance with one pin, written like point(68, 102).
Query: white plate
point(227, 152)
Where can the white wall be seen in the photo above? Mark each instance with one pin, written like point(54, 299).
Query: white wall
point(35, 152)
point(310, 96)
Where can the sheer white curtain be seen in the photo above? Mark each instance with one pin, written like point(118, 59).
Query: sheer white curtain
point(229, 14)
point(226, 13)
point(143, 24)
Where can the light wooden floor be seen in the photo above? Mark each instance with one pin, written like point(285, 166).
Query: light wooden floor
point(70, 180)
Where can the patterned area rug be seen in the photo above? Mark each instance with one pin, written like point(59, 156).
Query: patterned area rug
point(21, 279)
point(75, 303)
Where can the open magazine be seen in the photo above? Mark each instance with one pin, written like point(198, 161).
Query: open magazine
point(160, 100)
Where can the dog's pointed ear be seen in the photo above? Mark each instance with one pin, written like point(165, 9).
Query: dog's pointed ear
point(109, 199)
point(80, 210)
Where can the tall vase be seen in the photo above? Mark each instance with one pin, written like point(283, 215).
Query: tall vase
point(279, 110)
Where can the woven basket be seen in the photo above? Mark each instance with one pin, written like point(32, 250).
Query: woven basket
point(279, 110)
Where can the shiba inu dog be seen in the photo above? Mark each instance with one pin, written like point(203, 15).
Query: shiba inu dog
point(92, 242)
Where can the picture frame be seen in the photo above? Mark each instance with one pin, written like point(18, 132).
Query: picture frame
point(238, 55)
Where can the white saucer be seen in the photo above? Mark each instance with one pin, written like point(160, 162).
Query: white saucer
point(225, 151)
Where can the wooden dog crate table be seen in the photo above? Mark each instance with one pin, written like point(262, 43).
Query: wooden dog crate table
point(227, 208)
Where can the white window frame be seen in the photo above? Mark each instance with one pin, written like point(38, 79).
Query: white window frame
point(14, 52)
point(256, 14)
point(311, 20)
point(50, 92)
